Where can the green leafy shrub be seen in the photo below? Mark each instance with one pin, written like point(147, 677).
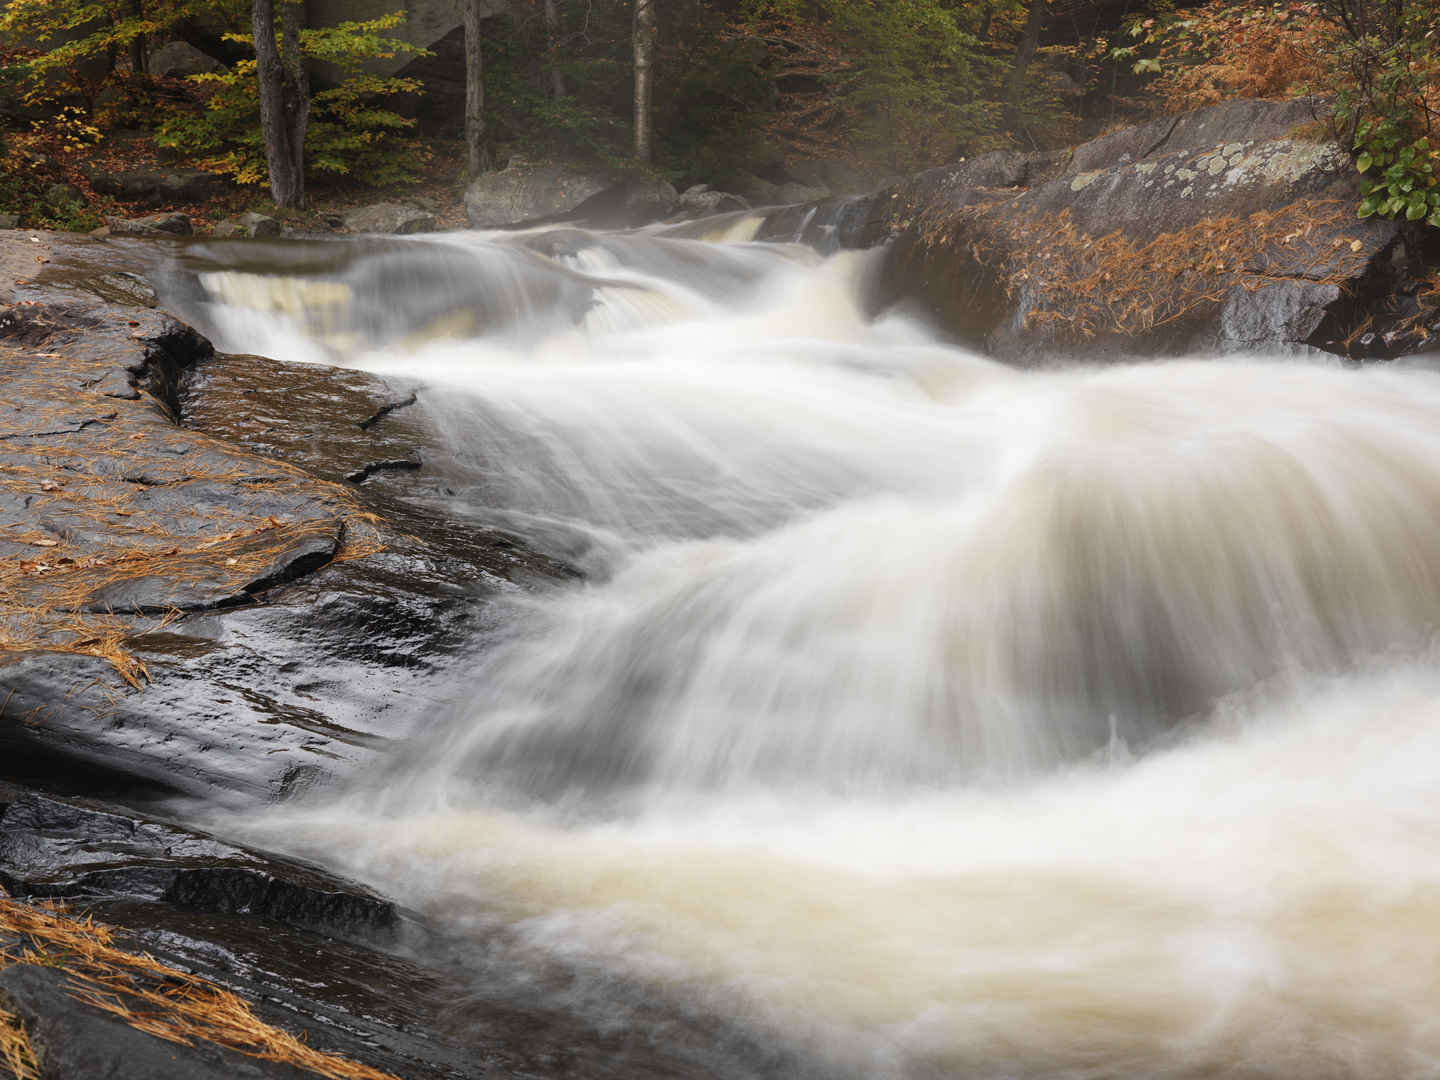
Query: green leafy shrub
point(1389, 96)
point(352, 133)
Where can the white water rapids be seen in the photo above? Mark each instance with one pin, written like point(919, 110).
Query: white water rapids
point(920, 716)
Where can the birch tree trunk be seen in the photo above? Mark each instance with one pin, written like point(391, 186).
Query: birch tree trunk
point(478, 157)
point(644, 42)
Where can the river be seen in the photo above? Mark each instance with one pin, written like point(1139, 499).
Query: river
point(916, 716)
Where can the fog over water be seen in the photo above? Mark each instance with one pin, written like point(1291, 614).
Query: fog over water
point(917, 715)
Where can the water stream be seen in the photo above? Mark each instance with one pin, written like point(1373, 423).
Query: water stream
point(919, 716)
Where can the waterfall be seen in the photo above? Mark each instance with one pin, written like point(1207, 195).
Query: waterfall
point(921, 716)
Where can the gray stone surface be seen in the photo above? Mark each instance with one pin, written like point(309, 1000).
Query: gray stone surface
point(178, 59)
point(389, 217)
point(249, 224)
point(1218, 229)
point(150, 225)
point(525, 190)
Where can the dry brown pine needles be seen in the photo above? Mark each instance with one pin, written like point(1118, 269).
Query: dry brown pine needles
point(148, 995)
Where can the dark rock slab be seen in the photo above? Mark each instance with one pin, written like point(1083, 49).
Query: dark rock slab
point(313, 953)
point(78, 849)
point(76, 1041)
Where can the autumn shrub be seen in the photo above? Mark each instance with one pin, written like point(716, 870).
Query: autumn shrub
point(1224, 50)
point(353, 132)
point(1378, 61)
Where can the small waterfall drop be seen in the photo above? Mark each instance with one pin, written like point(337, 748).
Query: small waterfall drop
point(926, 716)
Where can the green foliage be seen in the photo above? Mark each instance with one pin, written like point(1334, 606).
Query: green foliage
point(1388, 57)
point(29, 186)
point(79, 40)
point(1405, 180)
point(352, 132)
point(911, 55)
point(589, 125)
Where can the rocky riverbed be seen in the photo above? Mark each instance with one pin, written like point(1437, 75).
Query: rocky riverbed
point(217, 594)
point(229, 581)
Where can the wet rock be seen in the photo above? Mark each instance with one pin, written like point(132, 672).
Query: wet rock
point(1215, 230)
point(625, 205)
point(828, 225)
point(75, 849)
point(173, 224)
point(525, 190)
point(76, 1041)
point(389, 217)
point(757, 192)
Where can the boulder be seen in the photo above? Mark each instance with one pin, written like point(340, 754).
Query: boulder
point(702, 201)
point(150, 225)
point(249, 224)
point(1226, 229)
point(524, 191)
point(631, 202)
point(59, 196)
point(757, 192)
point(178, 59)
point(389, 217)
point(155, 187)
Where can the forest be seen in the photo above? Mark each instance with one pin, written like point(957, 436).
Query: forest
point(840, 93)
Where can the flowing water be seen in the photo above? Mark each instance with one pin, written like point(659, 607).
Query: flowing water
point(918, 716)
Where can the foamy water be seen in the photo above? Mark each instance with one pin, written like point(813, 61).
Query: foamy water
point(919, 715)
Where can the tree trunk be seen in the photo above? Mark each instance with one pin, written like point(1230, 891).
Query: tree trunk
point(644, 41)
point(297, 88)
point(137, 43)
point(1023, 55)
point(284, 99)
point(552, 42)
point(477, 154)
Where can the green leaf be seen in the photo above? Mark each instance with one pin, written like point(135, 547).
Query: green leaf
point(1364, 161)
